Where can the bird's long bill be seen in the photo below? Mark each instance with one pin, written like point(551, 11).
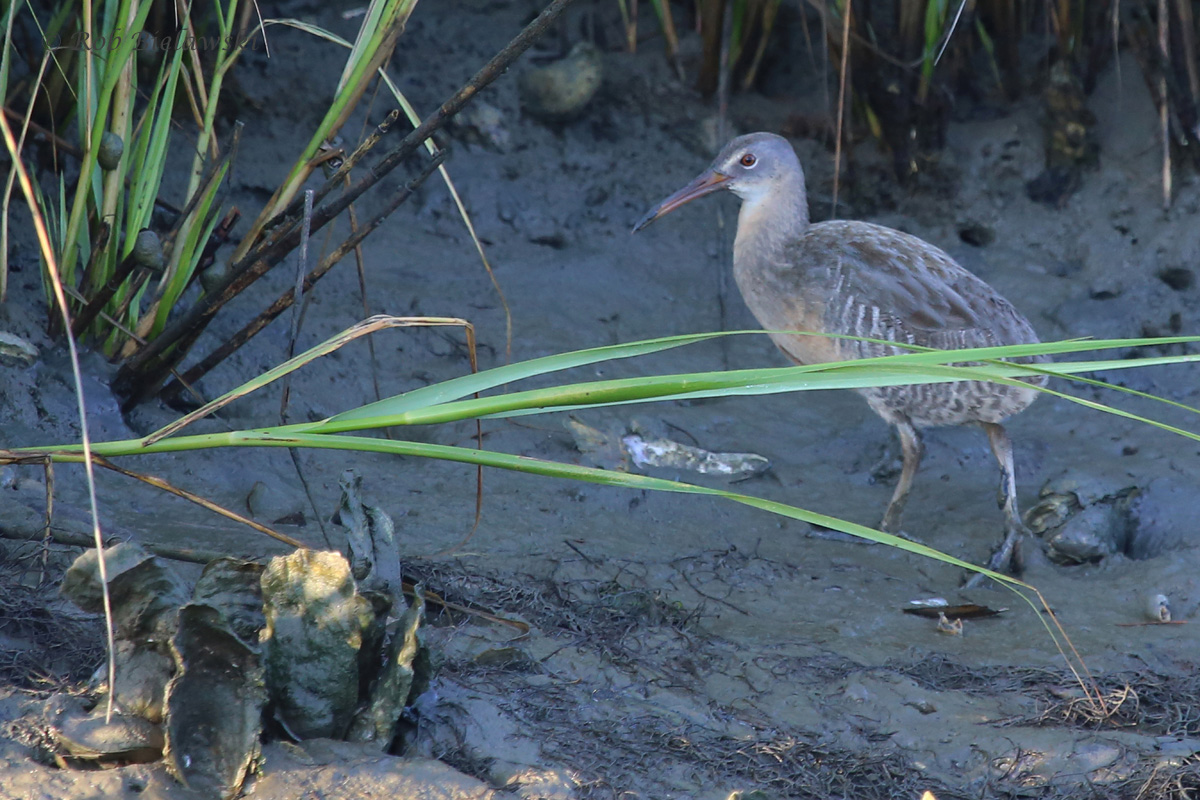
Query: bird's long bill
point(706, 183)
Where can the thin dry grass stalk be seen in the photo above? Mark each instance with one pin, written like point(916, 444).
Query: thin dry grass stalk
point(43, 236)
point(364, 328)
point(843, 75)
point(1164, 117)
point(191, 497)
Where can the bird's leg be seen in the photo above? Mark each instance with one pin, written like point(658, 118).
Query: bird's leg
point(1003, 558)
point(910, 447)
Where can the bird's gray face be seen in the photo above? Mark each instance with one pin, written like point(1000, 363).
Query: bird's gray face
point(749, 166)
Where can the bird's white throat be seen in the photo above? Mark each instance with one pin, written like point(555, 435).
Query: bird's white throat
point(771, 215)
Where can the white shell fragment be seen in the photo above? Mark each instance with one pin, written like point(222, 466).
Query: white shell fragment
point(944, 625)
point(641, 445)
point(656, 452)
point(1157, 608)
point(15, 351)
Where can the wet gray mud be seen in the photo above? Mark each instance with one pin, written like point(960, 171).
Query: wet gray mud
point(678, 646)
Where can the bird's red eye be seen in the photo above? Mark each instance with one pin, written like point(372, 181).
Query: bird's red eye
point(748, 160)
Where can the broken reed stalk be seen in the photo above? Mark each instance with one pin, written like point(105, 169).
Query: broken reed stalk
point(1164, 116)
point(289, 297)
point(1169, 92)
point(1001, 17)
point(712, 16)
point(1187, 36)
point(162, 485)
point(143, 373)
point(74, 539)
point(297, 292)
point(361, 269)
point(100, 299)
point(841, 108)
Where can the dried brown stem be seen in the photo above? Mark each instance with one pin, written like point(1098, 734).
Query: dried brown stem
point(712, 15)
point(841, 109)
point(1187, 35)
point(159, 483)
point(1164, 111)
point(73, 539)
point(145, 370)
point(100, 298)
point(288, 298)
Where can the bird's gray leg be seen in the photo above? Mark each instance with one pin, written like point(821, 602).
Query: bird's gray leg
point(1002, 559)
point(911, 448)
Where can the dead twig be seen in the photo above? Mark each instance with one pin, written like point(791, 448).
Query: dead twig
point(73, 539)
point(285, 300)
point(159, 483)
point(141, 375)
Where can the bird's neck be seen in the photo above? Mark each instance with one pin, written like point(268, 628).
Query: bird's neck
point(769, 220)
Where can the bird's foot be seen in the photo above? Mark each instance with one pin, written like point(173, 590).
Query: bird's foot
point(1006, 559)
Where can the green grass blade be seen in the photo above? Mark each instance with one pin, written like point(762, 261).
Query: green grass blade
point(535, 466)
point(150, 152)
point(700, 385)
point(395, 407)
point(94, 120)
point(359, 70)
point(743, 382)
point(189, 246)
point(457, 388)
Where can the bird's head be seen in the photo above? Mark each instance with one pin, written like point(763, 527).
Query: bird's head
point(751, 166)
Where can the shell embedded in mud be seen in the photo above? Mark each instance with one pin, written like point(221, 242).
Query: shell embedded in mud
point(405, 667)
point(234, 587)
point(561, 91)
point(1157, 607)
point(145, 594)
point(141, 681)
point(1084, 518)
point(122, 738)
point(315, 623)
point(214, 703)
point(370, 537)
point(15, 351)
